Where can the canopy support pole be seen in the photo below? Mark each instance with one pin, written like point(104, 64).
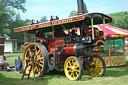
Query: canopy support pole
point(106, 45)
point(126, 46)
point(123, 45)
point(109, 48)
point(53, 31)
point(34, 37)
point(81, 31)
point(114, 44)
point(104, 28)
point(64, 28)
point(25, 36)
point(92, 29)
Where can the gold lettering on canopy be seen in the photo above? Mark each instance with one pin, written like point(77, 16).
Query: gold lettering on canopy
point(50, 24)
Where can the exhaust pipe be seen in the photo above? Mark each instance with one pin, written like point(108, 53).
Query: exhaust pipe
point(80, 5)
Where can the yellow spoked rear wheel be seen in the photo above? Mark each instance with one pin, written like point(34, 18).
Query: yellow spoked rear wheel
point(73, 68)
point(97, 66)
point(40, 62)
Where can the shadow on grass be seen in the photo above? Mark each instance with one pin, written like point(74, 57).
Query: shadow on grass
point(13, 80)
point(86, 78)
point(57, 74)
point(6, 81)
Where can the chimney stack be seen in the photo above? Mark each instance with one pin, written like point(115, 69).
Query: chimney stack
point(80, 5)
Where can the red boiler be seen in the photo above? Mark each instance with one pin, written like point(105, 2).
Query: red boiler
point(70, 49)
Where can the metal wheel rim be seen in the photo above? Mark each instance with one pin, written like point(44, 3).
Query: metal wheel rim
point(72, 70)
point(38, 57)
point(98, 69)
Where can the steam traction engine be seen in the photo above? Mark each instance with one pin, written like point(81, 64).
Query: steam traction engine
point(67, 48)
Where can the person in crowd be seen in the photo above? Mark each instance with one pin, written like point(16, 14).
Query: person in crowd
point(3, 63)
point(3, 59)
point(19, 66)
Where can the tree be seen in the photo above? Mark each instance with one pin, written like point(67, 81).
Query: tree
point(7, 11)
point(120, 19)
point(15, 22)
point(72, 13)
point(85, 8)
point(44, 19)
point(9, 19)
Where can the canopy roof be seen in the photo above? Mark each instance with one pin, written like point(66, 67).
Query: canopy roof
point(68, 23)
point(112, 32)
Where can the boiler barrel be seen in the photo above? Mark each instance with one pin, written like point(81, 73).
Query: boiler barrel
point(71, 49)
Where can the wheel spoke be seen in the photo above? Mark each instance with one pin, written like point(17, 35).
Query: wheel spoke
point(41, 58)
point(98, 61)
point(97, 71)
point(38, 52)
point(73, 63)
point(93, 69)
point(94, 60)
point(29, 63)
point(77, 70)
point(41, 62)
point(35, 49)
point(35, 68)
point(76, 67)
point(69, 64)
point(69, 70)
point(100, 68)
point(76, 73)
point(41, 65)
point(73, 75)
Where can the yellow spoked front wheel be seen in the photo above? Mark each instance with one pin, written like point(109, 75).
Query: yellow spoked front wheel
point(96, 67)
point(73, 68)
point(40, 62)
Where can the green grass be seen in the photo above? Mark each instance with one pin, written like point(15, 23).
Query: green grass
point(113, 76)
